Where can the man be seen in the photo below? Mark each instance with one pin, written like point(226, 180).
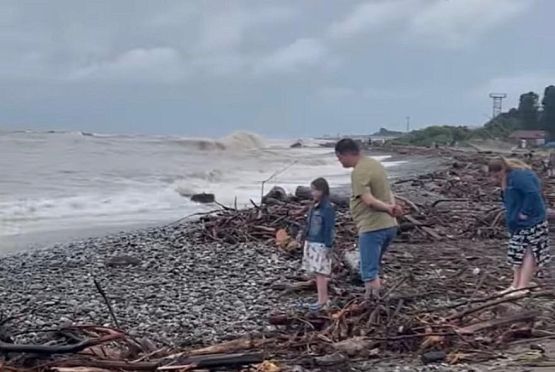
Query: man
point(373, 209)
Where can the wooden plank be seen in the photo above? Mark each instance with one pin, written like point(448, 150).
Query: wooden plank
point(494, 323)
point(431, 232)
point(412, 220)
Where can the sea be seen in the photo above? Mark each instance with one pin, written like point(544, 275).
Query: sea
point(68, 185)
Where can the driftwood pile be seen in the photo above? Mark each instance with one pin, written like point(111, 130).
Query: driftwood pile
point(457, 202)
point(460, 203)
point(465, 329)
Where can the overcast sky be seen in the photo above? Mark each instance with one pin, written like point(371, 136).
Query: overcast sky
point(281, 68)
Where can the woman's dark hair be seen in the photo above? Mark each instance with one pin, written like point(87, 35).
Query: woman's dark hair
point(347, 146)
point(322, 185)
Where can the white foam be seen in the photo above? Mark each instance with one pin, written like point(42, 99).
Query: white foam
point(32, 215)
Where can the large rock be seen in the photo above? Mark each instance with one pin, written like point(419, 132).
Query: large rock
point(276, 193)
point(203, 198)
point(339, 197)
point(433, 357)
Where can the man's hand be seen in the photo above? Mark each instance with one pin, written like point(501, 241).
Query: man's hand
point(395, 210)
point(522, 217)
point(390, 210)
point(398, 211)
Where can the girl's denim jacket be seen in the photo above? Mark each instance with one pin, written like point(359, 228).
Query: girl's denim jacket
point(321, 224)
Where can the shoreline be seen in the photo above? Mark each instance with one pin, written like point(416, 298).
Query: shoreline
point(12, 244)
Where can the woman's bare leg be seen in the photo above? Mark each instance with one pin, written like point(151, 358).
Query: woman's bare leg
point(527, 270)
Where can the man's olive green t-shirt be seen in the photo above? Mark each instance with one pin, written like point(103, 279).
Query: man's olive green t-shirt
point(369, 176)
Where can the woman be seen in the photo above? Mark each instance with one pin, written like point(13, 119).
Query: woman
point(526, 219)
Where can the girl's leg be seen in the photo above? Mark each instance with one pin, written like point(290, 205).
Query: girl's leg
point(322, 286)
point(527, 270)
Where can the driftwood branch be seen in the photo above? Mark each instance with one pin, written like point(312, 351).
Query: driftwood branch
point(62, 349)
point(107, 301)
point(495, 323)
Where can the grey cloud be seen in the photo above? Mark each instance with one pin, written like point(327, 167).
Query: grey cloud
point(309, 67)
point(437, 23)
point(301, 53)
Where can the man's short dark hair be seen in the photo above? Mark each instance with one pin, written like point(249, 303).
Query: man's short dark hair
point(347, 146)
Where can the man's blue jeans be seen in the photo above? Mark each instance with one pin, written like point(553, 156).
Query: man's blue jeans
point(372, 246)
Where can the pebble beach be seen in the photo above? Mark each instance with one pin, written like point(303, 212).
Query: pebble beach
point(160, 286)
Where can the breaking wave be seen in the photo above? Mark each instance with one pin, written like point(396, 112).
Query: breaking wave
point(238, 141)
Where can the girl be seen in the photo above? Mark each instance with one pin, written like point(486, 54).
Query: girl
point(526, 219)
point(319, 237)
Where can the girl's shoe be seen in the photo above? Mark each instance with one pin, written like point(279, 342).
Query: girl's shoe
point(508, 290)
point(317, 307)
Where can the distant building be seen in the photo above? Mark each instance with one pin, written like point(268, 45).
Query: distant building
point(373, 139)
point(532, 137)
point(382, 139)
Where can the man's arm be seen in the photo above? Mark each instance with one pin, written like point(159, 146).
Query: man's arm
point(361, 189)
point(377, 204)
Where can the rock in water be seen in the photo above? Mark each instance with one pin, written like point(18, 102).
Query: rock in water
point(297, 145)
point(203, 198)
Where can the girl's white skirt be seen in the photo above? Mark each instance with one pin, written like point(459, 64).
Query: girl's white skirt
point(316, 258)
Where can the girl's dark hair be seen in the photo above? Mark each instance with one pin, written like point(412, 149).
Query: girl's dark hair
point(322, 185)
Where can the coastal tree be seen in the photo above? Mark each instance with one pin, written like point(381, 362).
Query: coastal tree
point(528, 110)
point(547, 119)
point(501, 126)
